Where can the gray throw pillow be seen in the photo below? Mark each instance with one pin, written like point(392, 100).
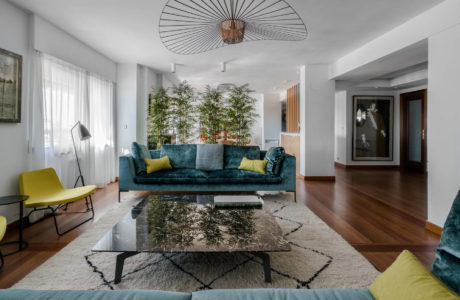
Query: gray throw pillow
point(210, 157)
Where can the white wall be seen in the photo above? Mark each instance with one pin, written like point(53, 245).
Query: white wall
point(341, 127)
point(443, 130)
point(14, 37)
point(439, 18)
point(344, 113)
point(126, 106)
point(256, 129)
point(56, 42)
point(317, 97)
point(272, 117)
point(147, 80)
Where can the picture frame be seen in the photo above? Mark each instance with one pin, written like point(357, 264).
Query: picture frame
point(10, 87)
point(373, 122)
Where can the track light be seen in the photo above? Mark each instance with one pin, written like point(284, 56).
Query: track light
point(223, 66)
point(173, 68)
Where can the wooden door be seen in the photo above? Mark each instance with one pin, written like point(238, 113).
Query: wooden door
point(413, 131)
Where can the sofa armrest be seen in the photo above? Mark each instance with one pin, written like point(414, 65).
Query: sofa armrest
point(288, 173)
point(126, 172)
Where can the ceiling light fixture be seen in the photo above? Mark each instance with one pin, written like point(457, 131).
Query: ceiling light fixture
point(173, 68)
point(223, 66)
point(191, 26)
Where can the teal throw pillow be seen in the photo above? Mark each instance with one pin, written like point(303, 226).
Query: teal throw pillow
point(140, 153)
point(275, 157)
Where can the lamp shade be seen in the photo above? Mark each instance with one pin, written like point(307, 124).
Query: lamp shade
point(83, 132)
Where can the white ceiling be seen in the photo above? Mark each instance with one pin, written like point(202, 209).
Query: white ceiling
point(127, 31)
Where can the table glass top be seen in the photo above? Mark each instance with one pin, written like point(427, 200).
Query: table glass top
point(5, 200)
point(192, 224)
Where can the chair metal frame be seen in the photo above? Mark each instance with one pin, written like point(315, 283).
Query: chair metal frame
point(55, 209)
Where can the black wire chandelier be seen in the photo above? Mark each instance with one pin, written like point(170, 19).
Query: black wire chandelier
point(196, 26)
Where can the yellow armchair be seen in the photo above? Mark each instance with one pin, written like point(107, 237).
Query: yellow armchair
point(45, 191)
point(2, 234)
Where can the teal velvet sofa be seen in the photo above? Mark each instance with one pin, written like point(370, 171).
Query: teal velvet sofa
point(184, 177)
point(255, 294)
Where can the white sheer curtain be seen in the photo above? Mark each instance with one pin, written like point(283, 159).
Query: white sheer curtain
point(71, 94)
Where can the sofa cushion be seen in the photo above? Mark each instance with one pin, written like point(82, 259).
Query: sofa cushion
point(275, 157)
point(283, 294)
point(446, 265)
point(241, 176)
point(210, 157)
point(181, 156)
point(174, 176)
point(11, 294)
point(234, 154)
point(140, 152)
point(408, 279)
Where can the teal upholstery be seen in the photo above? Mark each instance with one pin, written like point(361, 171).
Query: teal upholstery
point(174, 176)
point(93, 295)
point(241, 176)
point(180, 156)
point(210, 157)
point(275, 157)
point(140, 152)
point(446, 265)
point(155, 154)
point(255, 294)
point(234, 154)
point(283, 294)
point(179, 179)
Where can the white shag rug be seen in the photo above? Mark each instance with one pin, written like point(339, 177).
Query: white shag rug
point(320, 258)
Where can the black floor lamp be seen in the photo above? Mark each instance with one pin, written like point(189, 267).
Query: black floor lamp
point(84, 134)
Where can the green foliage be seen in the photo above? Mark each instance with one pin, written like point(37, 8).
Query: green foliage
point(240, 114)
point(183, 115)
point(159, 116)
point(211, 115)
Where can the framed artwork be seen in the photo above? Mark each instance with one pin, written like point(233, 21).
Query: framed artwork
point(10, 86)
point(372, 128)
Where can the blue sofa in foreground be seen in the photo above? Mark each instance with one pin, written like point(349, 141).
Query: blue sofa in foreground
point(184, 177)
point(255, 294)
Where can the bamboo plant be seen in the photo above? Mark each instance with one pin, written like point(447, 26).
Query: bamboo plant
point(159, 114)
point(211, 115)
point(240, 114)
point(183, 111)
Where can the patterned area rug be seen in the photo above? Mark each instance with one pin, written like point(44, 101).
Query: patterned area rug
point(320, 258)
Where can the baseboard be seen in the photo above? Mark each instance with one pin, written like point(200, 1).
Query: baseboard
point(319, 178)
point(433, 228)
point(339, 165)
point(366, 167)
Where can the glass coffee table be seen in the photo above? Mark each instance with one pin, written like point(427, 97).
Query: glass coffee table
point(193, 224)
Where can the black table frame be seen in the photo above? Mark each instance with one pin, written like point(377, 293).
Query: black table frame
point(121, 261)
point(22, 244)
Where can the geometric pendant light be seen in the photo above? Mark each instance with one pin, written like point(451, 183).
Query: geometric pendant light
point(196, 26)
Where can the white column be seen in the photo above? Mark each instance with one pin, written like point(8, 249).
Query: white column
point(317, 95)
point(443, 126)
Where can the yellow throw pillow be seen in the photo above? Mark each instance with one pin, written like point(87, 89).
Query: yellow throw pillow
point(408, 279)
point(155, 165)
point(258, 166)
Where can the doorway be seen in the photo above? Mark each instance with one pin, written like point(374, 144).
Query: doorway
point(413, 131)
